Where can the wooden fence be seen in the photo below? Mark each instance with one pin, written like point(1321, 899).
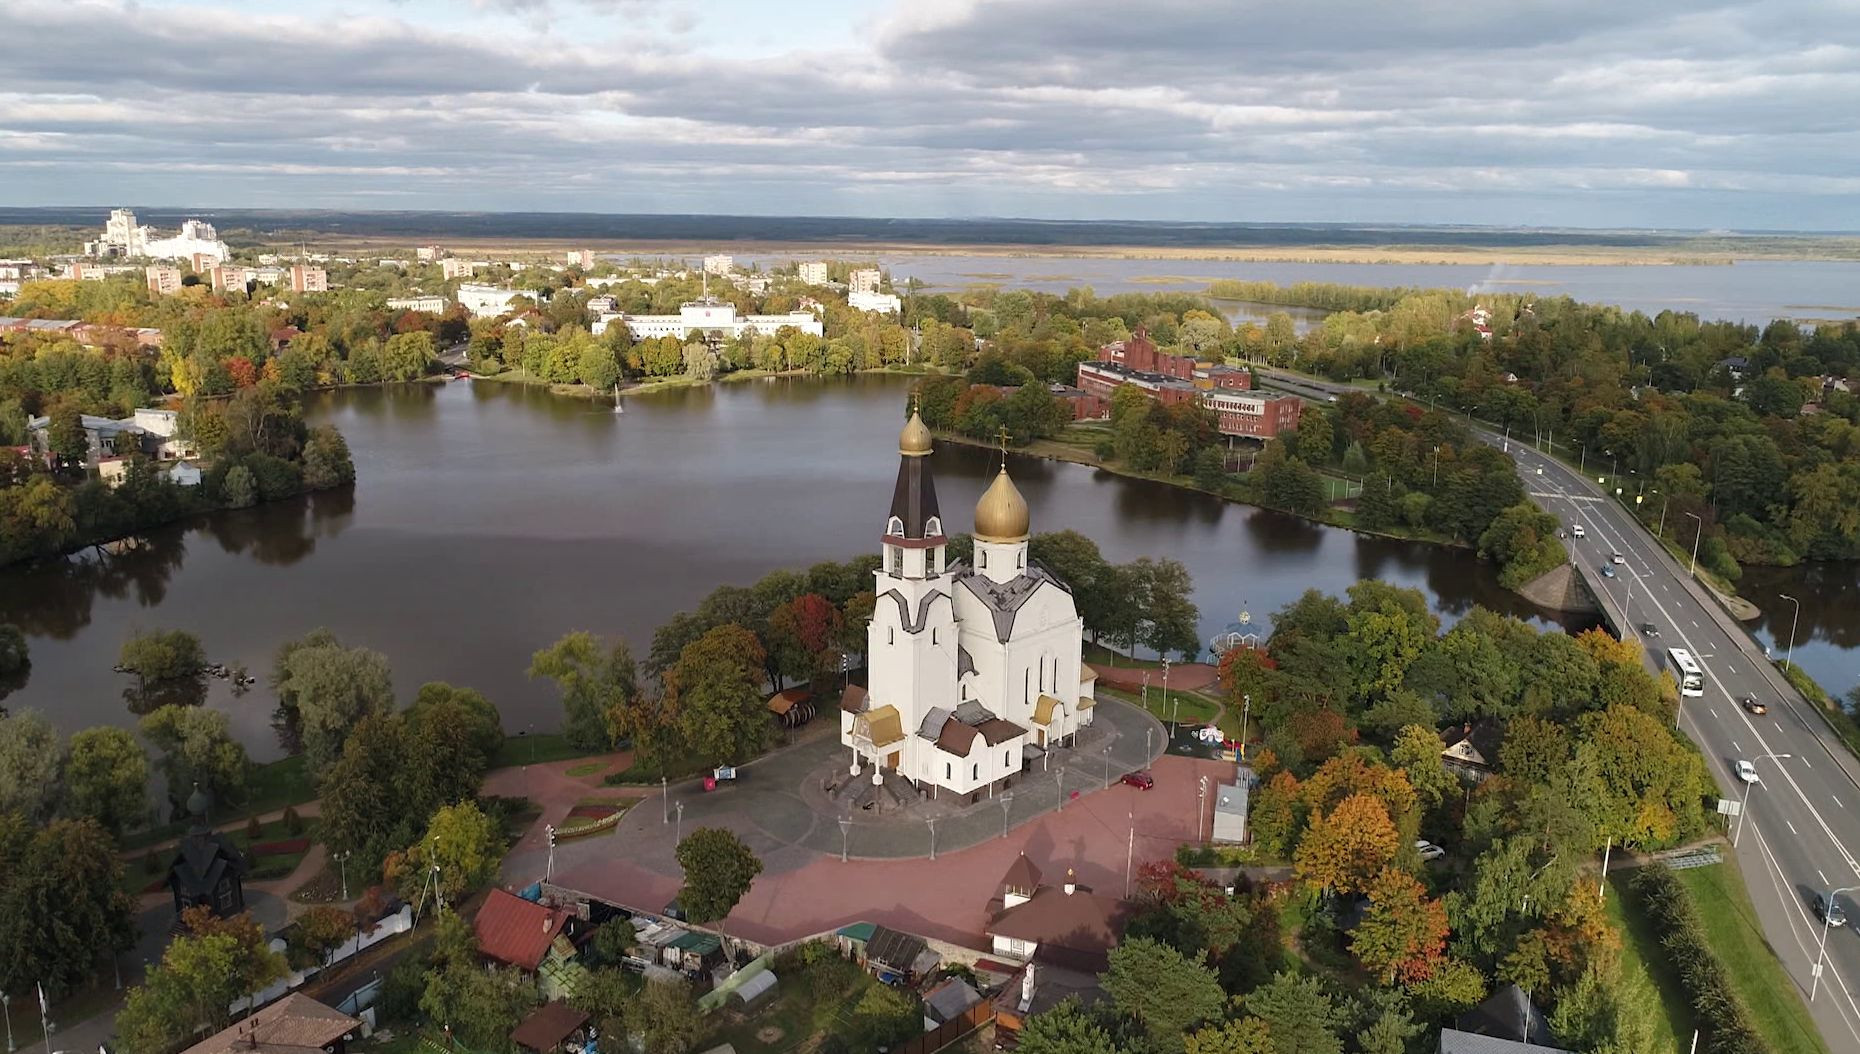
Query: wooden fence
point(949, 1031)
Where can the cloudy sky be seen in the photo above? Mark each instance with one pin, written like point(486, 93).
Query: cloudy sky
point(1638, 113)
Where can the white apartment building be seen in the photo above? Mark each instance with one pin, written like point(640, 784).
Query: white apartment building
point(428, 253)
point(451, 268)
point(434, 305)
point(164, 279)
point(122, 236)
point(306, 279)
point(813, 272)
point(864, 280)
point(882, 302)
point(710, 318)
point(719, 264)
point(582, 258)
point(485, 301)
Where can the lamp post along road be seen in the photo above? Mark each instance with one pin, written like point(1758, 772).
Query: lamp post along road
point(845, 825)
point(1700, 533)
point(6, 1002)
point(1822, 950)
point(1201, 802)
point(1246, 709)
point(1745, 806)
point(1794, 621)
point(678, 832)
point(1007, 803)
point(932, 822)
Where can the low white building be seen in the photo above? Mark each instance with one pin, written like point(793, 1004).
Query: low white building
point(887, 303)
point(486, 301)
point(435, 305)
point(710, 318)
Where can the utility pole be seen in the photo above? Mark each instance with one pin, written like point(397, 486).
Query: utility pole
point(549, 866)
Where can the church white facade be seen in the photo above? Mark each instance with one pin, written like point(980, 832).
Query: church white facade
point(975, 671)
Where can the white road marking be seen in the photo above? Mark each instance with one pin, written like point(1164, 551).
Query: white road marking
point(1714, 712)
point(1824, 878)
point(1735, 745)
point(1792, 829)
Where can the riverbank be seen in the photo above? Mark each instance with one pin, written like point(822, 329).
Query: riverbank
point(665, 384)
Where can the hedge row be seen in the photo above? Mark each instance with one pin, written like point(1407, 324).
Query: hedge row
point(1723, 1018)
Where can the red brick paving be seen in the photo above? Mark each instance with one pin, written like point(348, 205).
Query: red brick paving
point(945, 899)
point(1184, 677)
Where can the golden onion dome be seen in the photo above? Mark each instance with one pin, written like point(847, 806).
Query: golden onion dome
point(1001, 515)
point(914, 441)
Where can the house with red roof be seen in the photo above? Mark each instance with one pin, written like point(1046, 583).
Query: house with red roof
point(518, 932)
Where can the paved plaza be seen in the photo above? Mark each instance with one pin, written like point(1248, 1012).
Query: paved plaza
point(888, 875)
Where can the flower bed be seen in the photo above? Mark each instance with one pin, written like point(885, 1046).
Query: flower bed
point(587, 827)
point(288, 847)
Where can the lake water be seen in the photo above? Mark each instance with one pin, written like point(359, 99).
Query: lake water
point(1746, 291)
point(490, 519)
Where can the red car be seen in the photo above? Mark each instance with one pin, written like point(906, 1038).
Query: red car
point(1140, 780)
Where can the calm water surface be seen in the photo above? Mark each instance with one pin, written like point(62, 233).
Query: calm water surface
point(488, 520)
point(1747, 291)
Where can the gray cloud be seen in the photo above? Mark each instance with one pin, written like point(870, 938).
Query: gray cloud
point(1732, 113)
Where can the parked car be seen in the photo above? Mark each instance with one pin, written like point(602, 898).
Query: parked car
point(1428, 850)
point(1608, 571)
point(1750, 704)
point(1618, 559)
point(1648, 629)
point(1576, 529)
point(1746, 771)
point(1139, 779)
point(1828, 910)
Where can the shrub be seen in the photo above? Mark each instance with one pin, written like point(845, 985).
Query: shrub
point(254, 830)
point(293, 823)
point(151, 863)
point(1702, 974)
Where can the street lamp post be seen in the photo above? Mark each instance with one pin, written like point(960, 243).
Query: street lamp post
point(932, 822)
point(845, 826)
point(1246, 709)
point(6, 1002)
point(1201, 803)
point(678, 831)
point(1821, 952)
point(1146, 744)
point(1700, 533)
point(1059, 779)
point(1107, 766)
point(1130, 852)
point(665, 800)
point(1744, 806)
point(1794, 621)
point(1007, 802)
point(342, 864)
point(549, 865)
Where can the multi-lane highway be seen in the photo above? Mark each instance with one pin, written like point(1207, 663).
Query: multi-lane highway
point(1802, 819)
point(1801, 832)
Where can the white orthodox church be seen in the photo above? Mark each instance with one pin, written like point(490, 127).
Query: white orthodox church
point(975, 672)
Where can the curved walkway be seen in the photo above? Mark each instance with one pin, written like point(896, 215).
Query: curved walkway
point(1183, 677)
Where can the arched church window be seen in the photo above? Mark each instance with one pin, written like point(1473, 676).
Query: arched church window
point(933, 527)
point(891, 635)
point(1020, 558)
point(983, 556)
point(975, 772)
point(895, 527)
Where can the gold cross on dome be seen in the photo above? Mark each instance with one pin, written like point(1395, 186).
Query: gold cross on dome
point(1002, 437)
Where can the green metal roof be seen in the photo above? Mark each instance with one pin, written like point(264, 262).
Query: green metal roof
point(859, 931)
point(701, 943)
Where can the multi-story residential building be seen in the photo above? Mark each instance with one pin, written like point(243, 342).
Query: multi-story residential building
point(813, 272)
point(434, 305)
point(864, 280)
point(719, 264)
point(429, 253)
point(603, 305)
point(710, 319)
point(307, 279)
point(164, 279)
point(451, 268)
point(582, 258)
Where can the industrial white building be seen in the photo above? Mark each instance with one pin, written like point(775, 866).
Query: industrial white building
point(486, 301)
point(122, 236)
point(709, 318)
point(435, 305)
point(886, 303)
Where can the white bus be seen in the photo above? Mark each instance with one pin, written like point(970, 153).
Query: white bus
point(1686, 671)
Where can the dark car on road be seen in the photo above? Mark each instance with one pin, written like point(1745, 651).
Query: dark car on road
point(1139, 779)
point(1828, 910)
point(1648, 629)
point(1750, 704)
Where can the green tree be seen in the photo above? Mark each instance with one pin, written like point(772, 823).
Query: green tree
point(197, 748)
point(61, 908)
point(1164, 991)
point(606, 994)
point(464, 845)
point(593, 678)
point(1417, 754)
point(884, 1017)
point(407, 356)
point(30, 760)
point(327, 462)
point(1300, 1016)
point(363, 794)
point(203, 972)
point(443, 710)
point(1067, 1028)
point(481, 1005)
point(715, 689)
point(330, 689)
point(1078, 563)
point(238, 488)
point(15, 658)
point(316, 933)
point(668, 1017)
point(1247, 1035)
point(106, 778)
point(1315, 437)
point(718, 870)
point(162, 655)
point(1169, 619)
point(1344, 849)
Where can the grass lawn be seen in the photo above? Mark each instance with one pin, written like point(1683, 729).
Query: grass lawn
point(818, 999)
point(583, 770)
point(274, 785)
point(1731, 926)
point(1641, 954)
point(1189, 708)
point(137, 878)
point(536, 748)
point(676, 768)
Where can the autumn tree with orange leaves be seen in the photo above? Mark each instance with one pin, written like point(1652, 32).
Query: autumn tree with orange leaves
point(1403, 933)
point(1346, 847)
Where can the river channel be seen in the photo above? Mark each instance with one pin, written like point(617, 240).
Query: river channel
point(489, 519)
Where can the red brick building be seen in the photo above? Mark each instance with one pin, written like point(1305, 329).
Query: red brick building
point(1254, 416)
